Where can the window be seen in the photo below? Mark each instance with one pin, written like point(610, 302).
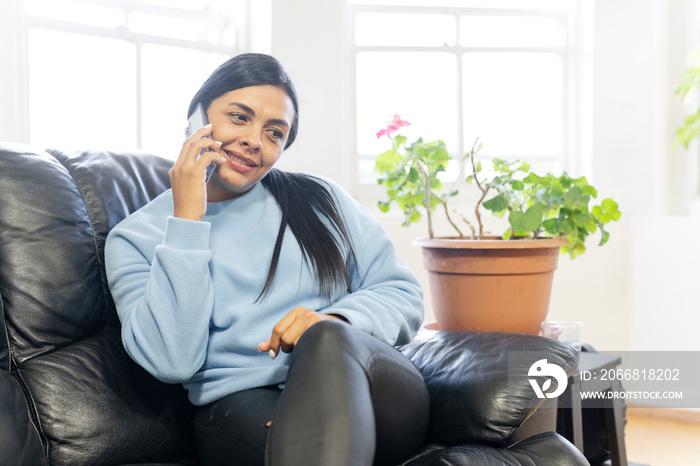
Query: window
point(108, 73)
point(499, 70)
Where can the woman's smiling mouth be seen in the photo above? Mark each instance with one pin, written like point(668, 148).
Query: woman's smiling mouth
point(239, 163)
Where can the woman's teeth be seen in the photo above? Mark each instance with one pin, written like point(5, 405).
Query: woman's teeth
point(239, 160)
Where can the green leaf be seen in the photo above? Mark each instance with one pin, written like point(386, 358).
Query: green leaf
point(528, 221)
point(609, 205)
point(438, 158)
point(387, 161)
point(517, 185)
point(582, 219)
point(688, 131)
point(575, 197)
point(496, 204)
point(566, 226)
point(399, 140)
point(412, 216)
point(551, 226)
point(383, 206)
point(578, 249)
point(496, 182)
point(532, 178)
point(611, 209)
point(590, 190)
point(604, 236)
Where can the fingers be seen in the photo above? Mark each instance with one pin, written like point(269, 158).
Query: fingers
point(201, 133)
point(282, 333)
point(200, 143)
point(287, 332)
point(190, 167)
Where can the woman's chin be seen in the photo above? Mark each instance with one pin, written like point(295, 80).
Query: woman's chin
point(228, 185)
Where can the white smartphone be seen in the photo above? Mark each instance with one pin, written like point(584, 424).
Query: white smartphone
point(197, 121)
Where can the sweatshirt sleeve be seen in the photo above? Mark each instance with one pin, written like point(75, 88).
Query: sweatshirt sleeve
point(386, 299)
point(163, 294)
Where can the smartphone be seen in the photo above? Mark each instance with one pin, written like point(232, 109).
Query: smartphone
point(197, 121)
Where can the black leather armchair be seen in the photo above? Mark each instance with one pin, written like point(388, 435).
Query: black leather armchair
point(70, 395)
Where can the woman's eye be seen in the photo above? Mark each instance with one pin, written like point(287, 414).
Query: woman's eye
point(276, 134)
point(238, 117)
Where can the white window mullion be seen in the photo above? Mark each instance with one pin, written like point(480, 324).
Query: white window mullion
point(122, 34)
point(14, 116)
point(139, 94)
point(125, 59)
point(546, 52)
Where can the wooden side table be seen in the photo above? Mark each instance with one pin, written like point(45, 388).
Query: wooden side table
point(572, 426)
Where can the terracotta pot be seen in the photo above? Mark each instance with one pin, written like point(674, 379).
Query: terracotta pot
point(490, 284)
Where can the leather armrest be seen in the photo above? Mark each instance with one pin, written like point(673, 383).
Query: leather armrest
point(479, 384)
point(19, 440)
point(546, 449)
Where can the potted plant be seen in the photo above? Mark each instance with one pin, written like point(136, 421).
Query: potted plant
point(687, 89)
point(481, 282)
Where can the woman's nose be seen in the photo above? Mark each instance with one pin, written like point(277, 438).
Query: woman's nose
point(251, 140)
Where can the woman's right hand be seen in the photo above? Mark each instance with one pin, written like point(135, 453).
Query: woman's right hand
point(188, 175)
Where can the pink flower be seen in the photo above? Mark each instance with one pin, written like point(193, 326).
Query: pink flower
point(393, 125)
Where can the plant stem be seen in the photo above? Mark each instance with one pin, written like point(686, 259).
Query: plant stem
point(469, 224)
point(428, 205)
point(484, 191)
point(477, 212)
point(447, 213)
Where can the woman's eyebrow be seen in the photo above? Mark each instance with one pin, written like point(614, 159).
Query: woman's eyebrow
point(251, 112)
point(243, 107)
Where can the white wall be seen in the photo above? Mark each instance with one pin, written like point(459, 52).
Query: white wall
point(13, 107)
point(625, 301)
point(636, 292)
point(308, 38)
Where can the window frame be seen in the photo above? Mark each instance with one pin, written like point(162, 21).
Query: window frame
point(25, 21)
point(572, 156)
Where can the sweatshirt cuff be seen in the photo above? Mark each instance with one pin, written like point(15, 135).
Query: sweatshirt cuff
point(354, 318)
point(186, 234)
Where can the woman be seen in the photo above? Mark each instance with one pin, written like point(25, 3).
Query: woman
point(274, 298)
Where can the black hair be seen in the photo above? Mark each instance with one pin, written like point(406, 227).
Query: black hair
point(303, 199)
point(245, 70)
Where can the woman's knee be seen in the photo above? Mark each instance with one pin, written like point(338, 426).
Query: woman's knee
point(328, 338)
point(335, 353)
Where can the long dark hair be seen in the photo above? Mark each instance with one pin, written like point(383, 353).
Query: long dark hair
point(302, 199)
point(245, 70)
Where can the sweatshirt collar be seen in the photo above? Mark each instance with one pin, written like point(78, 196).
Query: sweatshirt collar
point(256, 193)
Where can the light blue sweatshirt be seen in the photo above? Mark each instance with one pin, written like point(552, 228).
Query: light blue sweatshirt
point(186, 291)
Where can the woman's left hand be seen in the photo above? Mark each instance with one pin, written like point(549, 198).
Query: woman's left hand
point(287, 332)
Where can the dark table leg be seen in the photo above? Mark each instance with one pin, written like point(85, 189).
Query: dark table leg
point(615, 420)
point(572, 419)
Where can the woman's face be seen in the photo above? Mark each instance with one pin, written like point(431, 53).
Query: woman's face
point(252, 124)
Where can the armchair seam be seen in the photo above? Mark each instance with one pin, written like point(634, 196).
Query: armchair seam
point(33, 413)
point(6, 335)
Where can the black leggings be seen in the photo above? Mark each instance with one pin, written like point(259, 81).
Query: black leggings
point(349, 400)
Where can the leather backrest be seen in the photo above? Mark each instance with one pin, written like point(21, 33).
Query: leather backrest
point(55, 212)
point(60, 341)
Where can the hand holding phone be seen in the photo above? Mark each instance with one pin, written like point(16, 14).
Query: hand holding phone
point(198, 120)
